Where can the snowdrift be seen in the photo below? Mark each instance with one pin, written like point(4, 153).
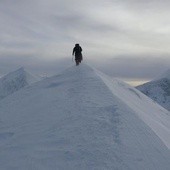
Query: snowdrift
point(81, 119)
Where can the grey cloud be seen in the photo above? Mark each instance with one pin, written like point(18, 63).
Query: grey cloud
point(145, 3)
point(134, 67)
point(44, 31)
point(36, 65)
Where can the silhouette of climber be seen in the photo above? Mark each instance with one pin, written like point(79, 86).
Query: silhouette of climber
point(78, 55)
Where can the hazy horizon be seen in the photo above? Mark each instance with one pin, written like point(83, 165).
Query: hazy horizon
point(126, 39)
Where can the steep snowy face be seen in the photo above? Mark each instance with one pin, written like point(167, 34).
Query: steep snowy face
point(158, 90)
point(81, 119)
point(14, 81)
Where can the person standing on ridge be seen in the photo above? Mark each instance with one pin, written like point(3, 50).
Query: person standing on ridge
point(78, 55)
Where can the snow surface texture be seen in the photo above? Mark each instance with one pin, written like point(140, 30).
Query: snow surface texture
point(78, 121)
point(14, 81)
point(158, 90)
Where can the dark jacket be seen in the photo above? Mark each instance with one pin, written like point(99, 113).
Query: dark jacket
point(77, 52)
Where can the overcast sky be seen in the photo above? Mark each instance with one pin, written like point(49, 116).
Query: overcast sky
point(125, 38)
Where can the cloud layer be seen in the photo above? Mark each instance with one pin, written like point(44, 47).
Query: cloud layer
point(39, 30)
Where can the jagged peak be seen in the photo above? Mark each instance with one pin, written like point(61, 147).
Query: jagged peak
point(21, 69)
point(20, 72)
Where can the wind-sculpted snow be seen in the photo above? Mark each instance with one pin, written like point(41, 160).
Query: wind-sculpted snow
point(73, 121)
point(151, 113)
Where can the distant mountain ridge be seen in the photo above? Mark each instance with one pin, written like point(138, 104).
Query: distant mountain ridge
point(158, 89)
point(14, 81)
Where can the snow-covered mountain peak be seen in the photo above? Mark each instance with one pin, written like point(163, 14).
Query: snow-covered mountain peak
point(13, 74)
point(82, 119)
point(158, 89)
point(22, 73)
point(14, 81)
point(21, 69)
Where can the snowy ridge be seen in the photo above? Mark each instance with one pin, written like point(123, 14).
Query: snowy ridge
point(14, 81)
point(151, 113)
point(158, 90)
point(74, 121)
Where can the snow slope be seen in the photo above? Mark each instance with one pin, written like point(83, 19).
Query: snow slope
point(81, 119)
point(158, 90)
point(14, 81)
